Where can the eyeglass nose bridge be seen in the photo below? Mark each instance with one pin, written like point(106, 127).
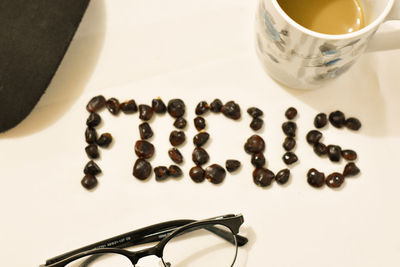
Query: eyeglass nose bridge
point(135, 256)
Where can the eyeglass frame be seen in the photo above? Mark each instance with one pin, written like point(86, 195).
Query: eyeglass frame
point(161, 233)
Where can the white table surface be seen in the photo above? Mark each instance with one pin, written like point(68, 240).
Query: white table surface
point(200, 50)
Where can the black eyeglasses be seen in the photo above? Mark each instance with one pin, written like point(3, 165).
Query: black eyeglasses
point(181, 243)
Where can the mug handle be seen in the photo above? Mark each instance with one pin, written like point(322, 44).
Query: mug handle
point(390, 39)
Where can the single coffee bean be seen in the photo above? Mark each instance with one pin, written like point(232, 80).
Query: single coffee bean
point(320, 120)
point(199, 123)
point(258, 160)
point(216, 105)
point(334, 153)
point(232, 165)
point(255, 112)
point(90, 135)
point(349, 154)
point(315, 178)
point(353, 124)
point(334, 180)
point(144, 149)
point(289, 128)
point(350, 169)
point(215, 174)
point(142, 169)
point(145, 112)
point(231, 110)
point(197, 174)
point(282, 176)
point(176, 108)
point(202, 108)
point(91, 168)
point(177, 138)
point(158, 106)
point(337, 119)
point(128, 107)
point(180, 123)
point(200, 156)
point(256, 124)
point(104, 140)
point(145, 131)
point(96, 103)
point(289, 143)
point(161, 173)
point(174, 171)
point(92, 151)
point(175, 155)
point(289, 158)
point(263, 177)
point(89, 181)
point(320, 149)
point(313, 137)
point(93, 120)
point(112, 105)
point(200, 139)
point(291, 113)
point(254, 144)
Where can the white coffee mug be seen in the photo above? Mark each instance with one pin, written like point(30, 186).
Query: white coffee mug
point(300, 58)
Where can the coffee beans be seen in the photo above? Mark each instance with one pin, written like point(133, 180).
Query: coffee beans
point(334, 180)
point(320, 120)
point(175, 155)
point(180, 123)
point(112, 105)
point(104, 140)
point(216, 106)
point(200, 156)
point(232, 165)
point(176, 108)
point(313, 137)
point(337, 119)
point(202, 108)
point(334, 153)
point(349, 154)
point(282, 177)
point(289, 143)
point(263, 177)
point(174, 171)
point(145, 131)
point(92, 151)
point(353, 124)
point(89, 181)
point(200, 139)
point(197, 174)
point(142, 169)
point(91, 168)
point(231, 110)
point(215, 174)
point(158, 106)
point(289, 158)
point(255, 144)
point(289, 128)
point(90, 135)
point(145, 112)
point(320, 149)
point(199, 123)
point(258, 160)
point(255, 112)
point(351, 169)
point(128, 107)
point(144, 149)
point(177, 138)
point(256, 124)
point(161, 173)
point(96, 103)
point(291, 113)
point(315, 178)
point(93, 120)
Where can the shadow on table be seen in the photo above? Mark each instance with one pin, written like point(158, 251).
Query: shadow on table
point(72, 75)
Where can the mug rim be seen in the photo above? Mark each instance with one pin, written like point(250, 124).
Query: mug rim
point(358, 33)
